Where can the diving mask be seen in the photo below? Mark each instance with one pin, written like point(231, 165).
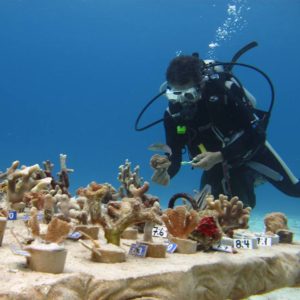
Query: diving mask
point(189, 95)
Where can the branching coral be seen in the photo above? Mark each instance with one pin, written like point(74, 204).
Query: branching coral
point(128, 178)
point(20, 181)
point(35, 199)
point(179, 221)
point(69, 210)
point(94, 193)
point(63, 174)
point(122, 214)
point(231, 213)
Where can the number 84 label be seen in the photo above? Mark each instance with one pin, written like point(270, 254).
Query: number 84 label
point(243, 243)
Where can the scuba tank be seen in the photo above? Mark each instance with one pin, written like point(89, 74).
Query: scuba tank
point(212, 68)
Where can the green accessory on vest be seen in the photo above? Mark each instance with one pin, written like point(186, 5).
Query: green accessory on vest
point(181, 129)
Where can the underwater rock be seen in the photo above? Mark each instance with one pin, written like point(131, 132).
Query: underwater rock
point(203, 275)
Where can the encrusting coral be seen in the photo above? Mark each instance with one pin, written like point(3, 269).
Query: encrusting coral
point(231, 213)
point(179, 221)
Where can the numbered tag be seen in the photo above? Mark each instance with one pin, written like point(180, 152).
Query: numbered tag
point(245, 243)
point(221, 247)
point(264, 241)
point(159, 231)
point(75, 235)
point(18, 251)
point(171, 247)
point(12, 215)
point(139, 250)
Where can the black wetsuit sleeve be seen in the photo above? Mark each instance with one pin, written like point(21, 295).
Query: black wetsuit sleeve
point(175, 142)
point(251, 135)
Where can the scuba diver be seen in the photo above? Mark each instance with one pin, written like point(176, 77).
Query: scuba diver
point(212, 115)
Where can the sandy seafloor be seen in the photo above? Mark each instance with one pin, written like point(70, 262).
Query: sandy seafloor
point(257, 223)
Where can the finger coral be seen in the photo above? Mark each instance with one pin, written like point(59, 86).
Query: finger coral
point(231, 213)
point(179, 221)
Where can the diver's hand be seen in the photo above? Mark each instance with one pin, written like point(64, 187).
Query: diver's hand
point(207, 160)
point(160, 164)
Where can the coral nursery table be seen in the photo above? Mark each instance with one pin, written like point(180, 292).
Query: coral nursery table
point(211, 275)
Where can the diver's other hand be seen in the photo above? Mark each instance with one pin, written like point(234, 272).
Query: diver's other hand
point(160, 164)
point(207, 160)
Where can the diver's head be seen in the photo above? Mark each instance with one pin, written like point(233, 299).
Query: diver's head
point(185, 69)
point(184, 75)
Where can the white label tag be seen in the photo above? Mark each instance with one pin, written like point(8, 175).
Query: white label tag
point(139, 250)
point(264, 241)
point(160, 231)
point(243, 243)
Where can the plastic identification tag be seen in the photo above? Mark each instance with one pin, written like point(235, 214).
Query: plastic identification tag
point(171, 247)
point(139, 250)
point(222, 247)
point(245, 243)
point(75, 235)
point(12, 215)
point(159, 231)
point(19, 251)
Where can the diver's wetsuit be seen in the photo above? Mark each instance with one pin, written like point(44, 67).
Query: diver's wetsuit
point(223, 121)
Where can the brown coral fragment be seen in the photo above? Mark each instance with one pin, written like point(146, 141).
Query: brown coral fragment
point(179, 221)
point(139, 192)
point(94, 193)
point(231, 213)
point(275, 221)
point(33, 222)
point(57, 231)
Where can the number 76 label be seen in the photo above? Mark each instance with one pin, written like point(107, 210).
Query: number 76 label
point(159, 231)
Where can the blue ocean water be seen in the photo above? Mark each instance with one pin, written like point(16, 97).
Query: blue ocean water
point(74, 74)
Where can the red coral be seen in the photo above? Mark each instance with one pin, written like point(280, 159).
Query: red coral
point(208, 227)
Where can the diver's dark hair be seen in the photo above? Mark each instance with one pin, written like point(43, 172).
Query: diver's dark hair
point(184, 69)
